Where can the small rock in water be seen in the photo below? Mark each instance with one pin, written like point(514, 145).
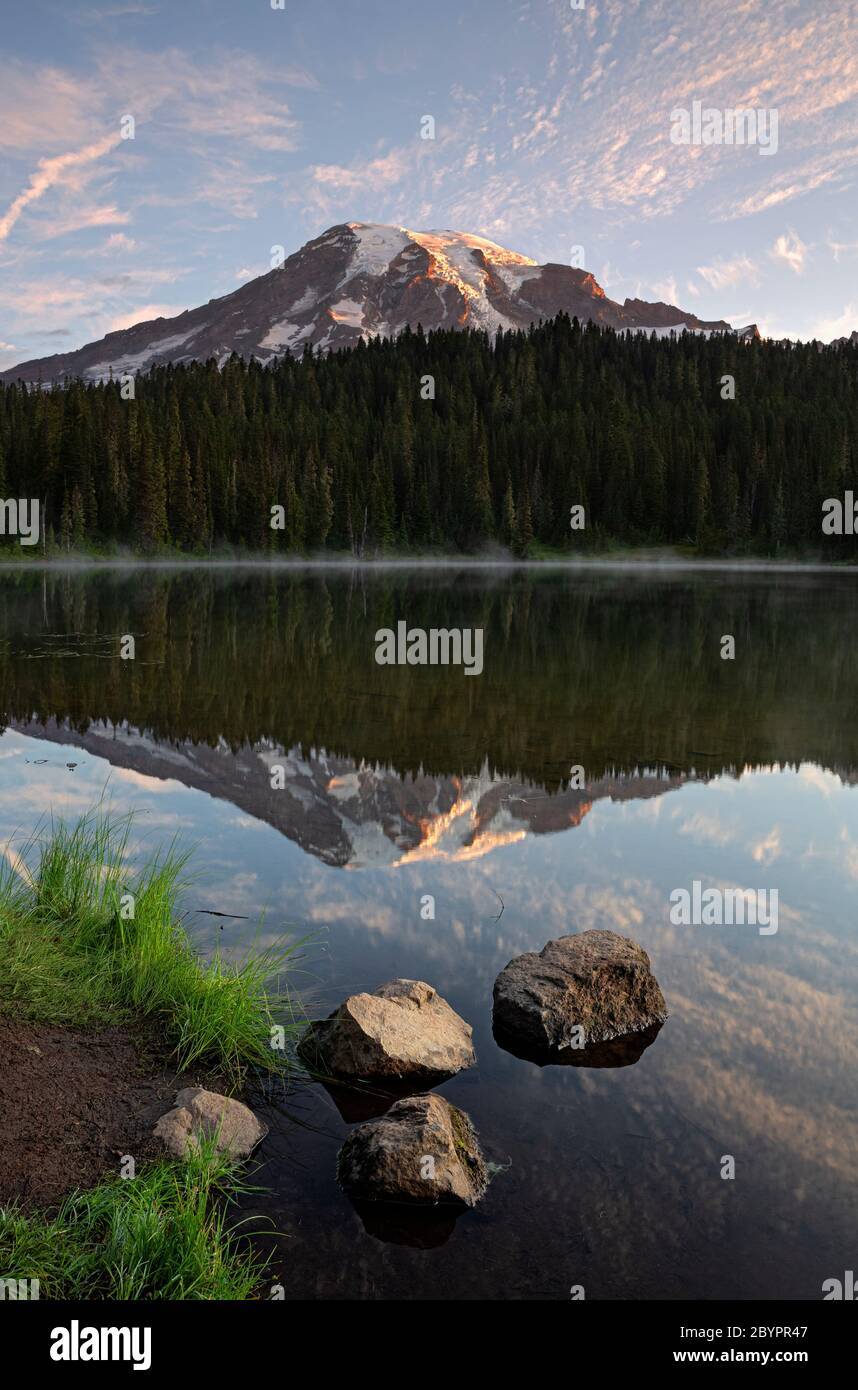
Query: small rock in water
point(404, 1030)
point(203, 1114)
point(423, 1150)
point(578, 991)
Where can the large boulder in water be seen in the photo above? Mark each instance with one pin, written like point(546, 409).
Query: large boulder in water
point(423, 1150)
point(576, 992)
point(404, 1030)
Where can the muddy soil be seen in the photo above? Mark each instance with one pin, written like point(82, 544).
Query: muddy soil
point(73, 1103)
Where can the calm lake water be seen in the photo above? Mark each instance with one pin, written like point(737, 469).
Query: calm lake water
point(402, 782)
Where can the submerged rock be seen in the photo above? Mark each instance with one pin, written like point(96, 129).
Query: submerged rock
point(404, 1030)
point(202, 1114)
point(577, 992)
point(423, 1150)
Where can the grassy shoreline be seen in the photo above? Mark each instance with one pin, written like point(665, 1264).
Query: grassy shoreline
point(163, 1235)
point(86, 943)
point(83, 939)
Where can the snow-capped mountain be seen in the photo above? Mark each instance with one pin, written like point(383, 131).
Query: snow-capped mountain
point(355, 281)
point(351, 815)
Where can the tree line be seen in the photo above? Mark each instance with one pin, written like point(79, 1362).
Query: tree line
point(449, 440)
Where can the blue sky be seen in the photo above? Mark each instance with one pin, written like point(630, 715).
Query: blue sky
point(257, 127)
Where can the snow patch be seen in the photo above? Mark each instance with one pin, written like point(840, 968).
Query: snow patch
point(133, 361)
point(376, 247)
point(672, 330)
point(513, 276)
point(459, 245)
point(453, 253)
point(347, 311)
point(285, 335)
point(307, 300)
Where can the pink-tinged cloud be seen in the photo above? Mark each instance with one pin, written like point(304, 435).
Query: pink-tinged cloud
point(118, 241)
point(375, 174)
point(724, 274)
point(35, 101)
point(790, 250)
point(109, 216)
point(145, 313)
point(52, 171)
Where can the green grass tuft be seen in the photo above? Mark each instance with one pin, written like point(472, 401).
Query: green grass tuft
point(71, 953)
point(163, 1234)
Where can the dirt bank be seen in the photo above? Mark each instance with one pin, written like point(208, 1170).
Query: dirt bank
point(72, 1103)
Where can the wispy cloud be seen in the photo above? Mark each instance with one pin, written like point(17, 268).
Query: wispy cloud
point(43, 104)
point(724, 274)
point(50, 172)
point(118, 241)
point(82, 220)
point(372, 174)
point(790, 250)
point(784, 191)
point(100, 301)
point(97, 14)
point(665, 290)
point(829, 326)
point(841, 248)
point(229, 96)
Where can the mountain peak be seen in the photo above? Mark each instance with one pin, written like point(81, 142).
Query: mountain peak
point(360, 280)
